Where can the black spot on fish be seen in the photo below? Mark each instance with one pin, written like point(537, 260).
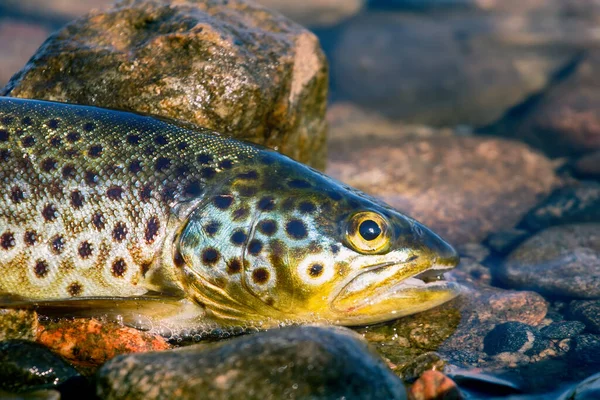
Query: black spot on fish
point(119, 232)
point(85, 250)
point(146, 192)
point(212, 228)
point(306, 207)
point(208, 173)
point(4, 154)
point(223, 202)
point(335, 248)
point(118, 268)
point(55, 141)
point(27, 121)
point(260, 275)
point(234, 266)
point(4, 136)
point(296, 229)
point(28, 141)
point(193, 188)
point(133, 139)
point(91, 178)
point(49, 164)
point(182, 145)
point(160, 140)
point(7, 120)
point(95, 151)
point(50, 213)
point(315, 270)
point(162, 163)
point(73, 137)
point(17, 195)
point(40, 269)
point(226, 164)
point(115, 193)
point(238, 238)
point(299, 184)
point(135, 166)
point(152, 227)
point(240, 214)
point(7, 240)
point(53, 123)
point(267, 227)
point(68, 172)
point(266, 204)
point(75, 289)
point(205, 159)
point(255, 247)
point(89, 126)
point(77, 199)
point(168, 193)
point(57, 244)
point(98, 220)
point(210, 256)
point(31, 238)
point(249, 176)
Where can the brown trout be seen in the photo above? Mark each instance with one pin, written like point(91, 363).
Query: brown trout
point(112, 212)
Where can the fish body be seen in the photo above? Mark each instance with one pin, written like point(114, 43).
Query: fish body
point(103, 206)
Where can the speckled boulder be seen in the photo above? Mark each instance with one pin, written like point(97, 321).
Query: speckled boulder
point(513, 337)
point(232, 66)
point(302, 363)
point(462, 187)
point(561, 261)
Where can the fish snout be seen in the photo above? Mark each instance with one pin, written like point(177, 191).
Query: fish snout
point(442, 253)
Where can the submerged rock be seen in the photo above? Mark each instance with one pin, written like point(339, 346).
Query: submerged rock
point(303, 362)
point(586, 349)
point(462, 187)
point(232, 66)
point(514, 337)
point(562, 261)
point(562, 330)
point(587, 312)
point(434, 385)
point(589, 389)
point(588, 166)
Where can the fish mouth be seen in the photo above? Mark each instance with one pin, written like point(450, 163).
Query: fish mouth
point(389, 290)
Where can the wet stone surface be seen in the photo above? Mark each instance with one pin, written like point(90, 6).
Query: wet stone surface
point(305, 362)
point(513, 337)
point(587, 312)
point(563, 330)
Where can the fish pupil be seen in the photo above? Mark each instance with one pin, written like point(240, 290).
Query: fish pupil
point(369, 230)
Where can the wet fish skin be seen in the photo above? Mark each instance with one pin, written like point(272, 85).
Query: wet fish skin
point(99, 204)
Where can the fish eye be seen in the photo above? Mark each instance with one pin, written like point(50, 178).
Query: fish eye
point(368, 232)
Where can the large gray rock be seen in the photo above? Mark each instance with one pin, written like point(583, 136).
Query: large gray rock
point(232, 66)
point(303, 363)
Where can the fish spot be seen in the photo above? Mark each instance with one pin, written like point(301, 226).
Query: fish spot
point(8, 120)
point(255, 247)
point(260, 276)
point(31, 238)
point(249, 175)
point(267, 227)
point(296, 229)
point(53, 123)
point(50, 213)
point(226, 164)
point(75, 289)
point(40, 269)
point(178, 259)
point(4, 136)
point(85, 249)
point(208, 173)
point(27, 121)
point(55, 141)
point(161, 140)
point(89, 126)
point(212, 228)
point(119, 232)
point(223, 201)
point(335, 248)
point(234, 266)
point(77, 199)
point(307, 207)
point(118, 268)
point(240, 214)
point(95, 151)
point(17, 195)
point(152, 227)
point(133, 139)
point(57, 244)
point(193, 188)
point(28, 141)
point(146, 192)
point(135, 166)
point(68, 172)
point(91, 178)
point(4, 154)
point(49, 164)
point(210, 256)
point(115, 193)
point(182, 145)
point(145, 267)
point(73, 137)
point(205, 159)
point(266, 204)
point(315, 270)
point(299, 184)
point(7, 240)
point(99, 221)
point(182, 170)
point(162, 163)
point(168, 193)
point(238, 237)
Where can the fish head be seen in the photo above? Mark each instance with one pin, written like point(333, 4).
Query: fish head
point(283, 243)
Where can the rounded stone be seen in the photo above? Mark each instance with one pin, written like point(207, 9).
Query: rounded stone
point(562, 261)
point(462, 187)
point(513, 337)
point(266, 74)
point(562, 330)
point(586, 349)
point(588, 312)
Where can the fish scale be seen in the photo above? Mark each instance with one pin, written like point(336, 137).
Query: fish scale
point(182, 226)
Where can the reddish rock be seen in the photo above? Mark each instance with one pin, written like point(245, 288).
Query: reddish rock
point(433, 385)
